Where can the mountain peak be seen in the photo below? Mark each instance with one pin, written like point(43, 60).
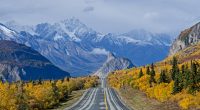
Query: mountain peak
point(20, 27)
point(110, 56)
point(186, 38)
point(73, 23)
point(112, 64)
point(6, 31)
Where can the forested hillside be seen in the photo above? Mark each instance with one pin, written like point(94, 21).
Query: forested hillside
point(165, 81)
point(176, 78)
point(40, 95)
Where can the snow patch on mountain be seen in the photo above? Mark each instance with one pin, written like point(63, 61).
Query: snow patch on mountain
point(17, 27)
point(7, 31)
point(128, 40)
point(70, 33)
point(57, 37)
point(99, 51)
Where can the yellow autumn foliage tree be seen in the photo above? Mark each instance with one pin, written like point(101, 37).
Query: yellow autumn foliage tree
point(160, 91)
point(40, 95)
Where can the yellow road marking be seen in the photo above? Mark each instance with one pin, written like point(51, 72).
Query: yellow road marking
point(105, 100)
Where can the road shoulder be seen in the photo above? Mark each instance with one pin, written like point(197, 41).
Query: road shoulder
point(73, 98)
point(137, 100)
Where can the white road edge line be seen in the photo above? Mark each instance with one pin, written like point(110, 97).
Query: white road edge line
point(121, 100)
point(92, 102)
point(108, 99)
point(89, 100)
point(78, 100)
point(114, 100)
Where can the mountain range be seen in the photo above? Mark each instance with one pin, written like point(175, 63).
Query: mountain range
point(19, 62)
point(80, 50)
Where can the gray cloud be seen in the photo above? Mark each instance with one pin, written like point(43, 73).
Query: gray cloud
point(90, 1)
point(88, 9)
point(107, 15)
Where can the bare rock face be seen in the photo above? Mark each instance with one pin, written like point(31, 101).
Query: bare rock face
point(113, 63)
point(19, 62)
point(187, 37)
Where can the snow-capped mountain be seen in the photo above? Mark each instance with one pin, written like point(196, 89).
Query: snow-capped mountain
point(17, 27)
point(6, 33)
point(63, 49)
point(80, 50)
point(149, 38)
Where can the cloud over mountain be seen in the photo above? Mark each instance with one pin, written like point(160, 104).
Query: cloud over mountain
point(106, 15)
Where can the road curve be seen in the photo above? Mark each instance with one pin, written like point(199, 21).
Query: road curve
point(100, 98)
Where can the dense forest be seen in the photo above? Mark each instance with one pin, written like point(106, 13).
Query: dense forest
point(166, 81)
point(40, 95)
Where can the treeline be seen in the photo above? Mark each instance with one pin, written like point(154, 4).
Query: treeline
point(40, 95)
point(185, 77)
point(175, 82)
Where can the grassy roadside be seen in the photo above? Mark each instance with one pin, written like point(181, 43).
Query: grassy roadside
point(73, 98)
point(139, 101)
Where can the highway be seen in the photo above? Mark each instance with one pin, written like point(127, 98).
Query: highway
point(100, 98)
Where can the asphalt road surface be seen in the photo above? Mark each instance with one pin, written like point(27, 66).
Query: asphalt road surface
point(100, 98)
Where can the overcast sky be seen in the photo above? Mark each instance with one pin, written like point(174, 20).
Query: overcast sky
point(106, 15)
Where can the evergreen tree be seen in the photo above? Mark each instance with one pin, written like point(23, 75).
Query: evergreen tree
point(178, 83)
point(163, 77)
point(198, 77)
point(67, 79)
point(175, 68)
point(176, 87)
point(181, 77)
point(34, 82)
point(148, 70)
point(186, 77)
point(177, 77)
point(40, 81)
point(140, 73)
point(1, 79)
point(152, 75)
point(194, 81)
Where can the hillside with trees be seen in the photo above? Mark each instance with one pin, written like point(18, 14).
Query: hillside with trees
point(174, 82)
point(175, 79)
point(40, 95)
